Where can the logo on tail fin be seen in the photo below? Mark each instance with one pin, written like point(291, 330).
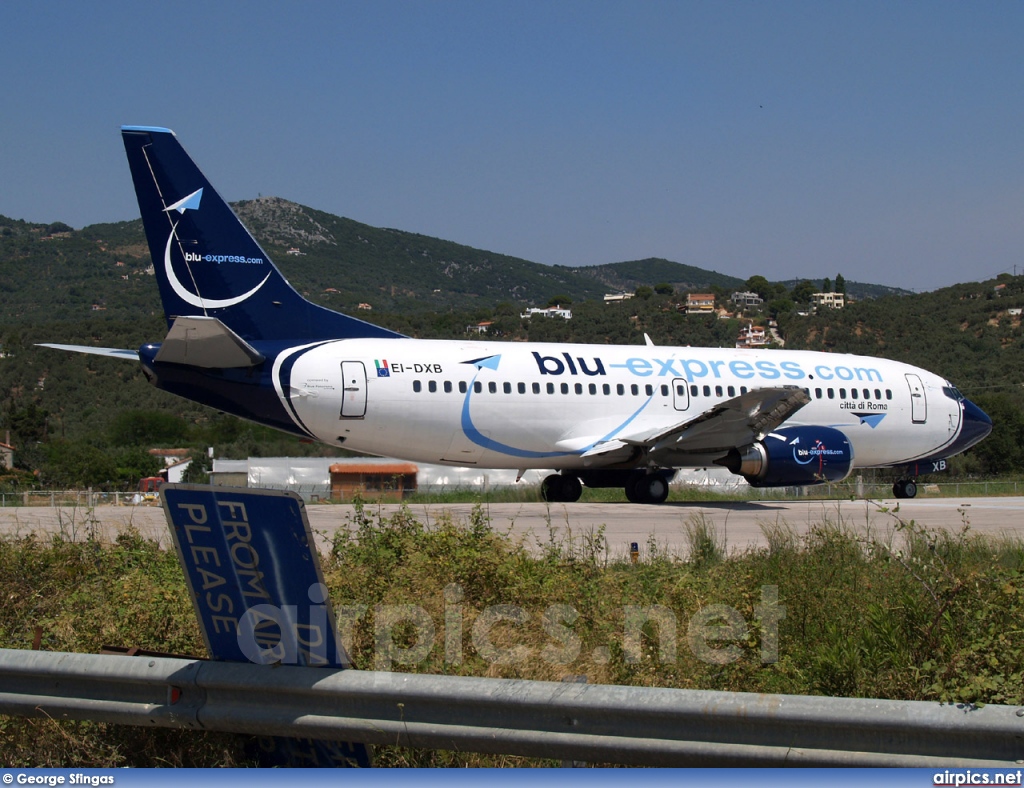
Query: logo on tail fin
point(191, 202)
point(185, 203)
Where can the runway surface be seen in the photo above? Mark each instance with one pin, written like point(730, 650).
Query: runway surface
point(740, 524)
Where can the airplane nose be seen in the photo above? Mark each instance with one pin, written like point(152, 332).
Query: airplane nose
point(977, 425)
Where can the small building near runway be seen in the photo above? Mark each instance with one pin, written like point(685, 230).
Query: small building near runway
point(388, 480)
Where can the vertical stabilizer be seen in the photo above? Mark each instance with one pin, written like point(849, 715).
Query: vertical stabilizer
point(207, 263)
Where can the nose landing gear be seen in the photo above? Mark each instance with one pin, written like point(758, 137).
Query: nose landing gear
point(905, 488)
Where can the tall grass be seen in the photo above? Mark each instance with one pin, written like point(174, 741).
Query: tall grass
point(908, 614)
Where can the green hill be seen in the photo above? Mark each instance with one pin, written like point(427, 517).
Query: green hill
point(856, 290)
point(629, 275)
point(52, 272)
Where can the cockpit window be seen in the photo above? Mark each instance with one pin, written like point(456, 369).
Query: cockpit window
point(953, 393)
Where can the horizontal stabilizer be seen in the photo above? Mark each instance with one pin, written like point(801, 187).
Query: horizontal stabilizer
point(109, 352)
point(208, 343)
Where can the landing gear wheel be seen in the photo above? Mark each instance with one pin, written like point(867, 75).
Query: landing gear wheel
point(655, 488)
point(551, 488)
point(905, 488)
point(650, 488)
point(557, 488)
point(571, 489)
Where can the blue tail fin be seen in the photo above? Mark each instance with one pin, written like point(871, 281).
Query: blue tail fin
point(207, 263)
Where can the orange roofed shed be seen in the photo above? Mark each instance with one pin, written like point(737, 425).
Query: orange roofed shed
point(389, 481)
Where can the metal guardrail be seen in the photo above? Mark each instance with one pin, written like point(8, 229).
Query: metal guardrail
point(599, 723)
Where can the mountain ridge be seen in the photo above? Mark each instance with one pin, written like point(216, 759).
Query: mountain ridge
point(335, 261)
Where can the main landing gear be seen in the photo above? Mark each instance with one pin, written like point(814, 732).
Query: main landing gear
point(649, 488)
point(557, 488)
point(905, 488)
point(640, 485)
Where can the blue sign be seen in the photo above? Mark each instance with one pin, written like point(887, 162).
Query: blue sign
point(258, 590)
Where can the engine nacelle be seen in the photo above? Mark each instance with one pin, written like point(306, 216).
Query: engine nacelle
point(794, 457)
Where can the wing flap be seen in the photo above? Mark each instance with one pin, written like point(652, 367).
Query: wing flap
point(731, 424)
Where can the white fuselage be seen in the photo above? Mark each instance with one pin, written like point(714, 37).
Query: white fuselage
point(529, 405)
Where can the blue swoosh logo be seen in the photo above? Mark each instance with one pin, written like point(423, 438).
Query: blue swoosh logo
point(477, 437)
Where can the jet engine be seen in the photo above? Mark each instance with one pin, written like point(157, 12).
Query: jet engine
point(793, 457)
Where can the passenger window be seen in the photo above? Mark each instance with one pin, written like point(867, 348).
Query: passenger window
point(817, 393)
point(551, 388)
point(447, 387)
point(492, 387)
point(416, 386)
point(521, 387)
point(842, 393)
point(664, 390)
point(831, 393)
point(732, 391)
point(707, 391)
point(592, 388)
point(634, 389)
point(606, 389)
point(743, 389)
point(888, 393)
point(579, 388)
point(693, 391)
point(536, 388)
point(649, 390)
point(432, 386)
point(620, 389)
point(878, 394)
point(506, 387)
point(565, 388)
point(718, 391)
point(478, 386)
point(462, 387)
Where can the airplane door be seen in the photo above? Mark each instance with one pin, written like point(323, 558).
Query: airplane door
point(680, 394)
point(353, 395)
point(918, 402)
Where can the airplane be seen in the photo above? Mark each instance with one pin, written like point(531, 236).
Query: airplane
point(240, 339)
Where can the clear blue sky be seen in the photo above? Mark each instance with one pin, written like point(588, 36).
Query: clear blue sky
point(880, 140)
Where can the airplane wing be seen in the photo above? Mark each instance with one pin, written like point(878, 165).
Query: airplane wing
point(732, 424)
point(109, 352)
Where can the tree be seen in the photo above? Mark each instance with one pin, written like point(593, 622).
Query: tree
point(758, 284)
point(826, 285)
point(664, 288)
point(840, 284)
point(75, 465)
point(780, 306)
point(29, 424)
point(644, 292)
point(134, 463)
point(153, 427)
point(559, 300)
point(803, 291)
point(198, 470)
